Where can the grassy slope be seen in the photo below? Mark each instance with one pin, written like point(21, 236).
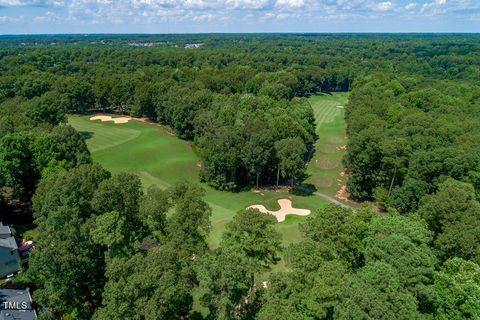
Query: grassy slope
point(326, 164)
point(162, 159)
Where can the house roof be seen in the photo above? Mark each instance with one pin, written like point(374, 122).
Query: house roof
point(8, 243)
point(6, 239)
point(4, 231)
point(16, 305)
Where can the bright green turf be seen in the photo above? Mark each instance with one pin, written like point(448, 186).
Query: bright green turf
point(160, 158)
point(331, 135)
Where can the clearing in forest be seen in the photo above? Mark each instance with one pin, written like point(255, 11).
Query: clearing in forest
point(158, 157)
point(325, 170)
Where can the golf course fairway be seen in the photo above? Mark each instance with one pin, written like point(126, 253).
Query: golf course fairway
point(158, 157)
point(325, 169)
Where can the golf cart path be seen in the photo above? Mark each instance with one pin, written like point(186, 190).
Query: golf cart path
point(333, 200)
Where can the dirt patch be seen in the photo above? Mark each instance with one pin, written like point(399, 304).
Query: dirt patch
point(285, 208)
point(343, 148)
point(327, 149)
point(342, 193)
point(326, 163)
point(117, 120)
point(146, 120)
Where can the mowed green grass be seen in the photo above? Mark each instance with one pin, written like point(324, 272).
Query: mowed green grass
point(160, 158)
point(326, 164)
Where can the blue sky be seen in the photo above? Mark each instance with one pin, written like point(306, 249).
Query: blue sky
point(195, 16)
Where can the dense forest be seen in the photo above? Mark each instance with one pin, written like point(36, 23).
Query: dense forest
point(108, 249)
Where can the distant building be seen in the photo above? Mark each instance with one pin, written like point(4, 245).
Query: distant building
point(16, 305)
point(9, 258)
point(193, 45)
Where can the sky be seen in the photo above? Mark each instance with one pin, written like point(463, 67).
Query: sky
point(204, 16)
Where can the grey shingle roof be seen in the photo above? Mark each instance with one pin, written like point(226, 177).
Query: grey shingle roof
point(8, 243)
point(16, 305)
point(4, 231)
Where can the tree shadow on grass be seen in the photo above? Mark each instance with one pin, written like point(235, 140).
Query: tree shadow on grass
point(87, 134)
point(304, 189)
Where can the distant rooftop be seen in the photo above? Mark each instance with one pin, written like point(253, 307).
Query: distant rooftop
point(16, 305)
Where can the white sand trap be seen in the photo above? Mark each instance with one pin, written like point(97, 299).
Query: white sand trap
point(109, 118)
point(285, 208)
point(341, 107)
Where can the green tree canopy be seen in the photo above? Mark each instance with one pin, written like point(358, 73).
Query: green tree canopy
point(290, 153)
point(453, 213)
point(457, 288)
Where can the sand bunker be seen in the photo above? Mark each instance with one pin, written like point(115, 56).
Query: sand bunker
point(285, 208)
point(114, 120)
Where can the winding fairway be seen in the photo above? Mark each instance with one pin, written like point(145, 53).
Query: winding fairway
point(160, 158)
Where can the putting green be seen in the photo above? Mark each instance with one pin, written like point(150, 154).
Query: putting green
point(159, 158)
point(326, 164)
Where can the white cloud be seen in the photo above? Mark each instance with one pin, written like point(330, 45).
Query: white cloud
point(247, 4)
point(43, 3)
point(9, 19)
point(205, 17)
point(411, 6)
point(239, 11)
point(284, 16)
point(383, 6)
point(268, 16)
point(9, 3)
point(199, 4)
point(290, 3)
point(435, 7)
point(56, 3)
point(47, 17)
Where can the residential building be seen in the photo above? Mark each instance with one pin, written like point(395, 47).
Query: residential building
point(16, 304)
point(9, 258)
